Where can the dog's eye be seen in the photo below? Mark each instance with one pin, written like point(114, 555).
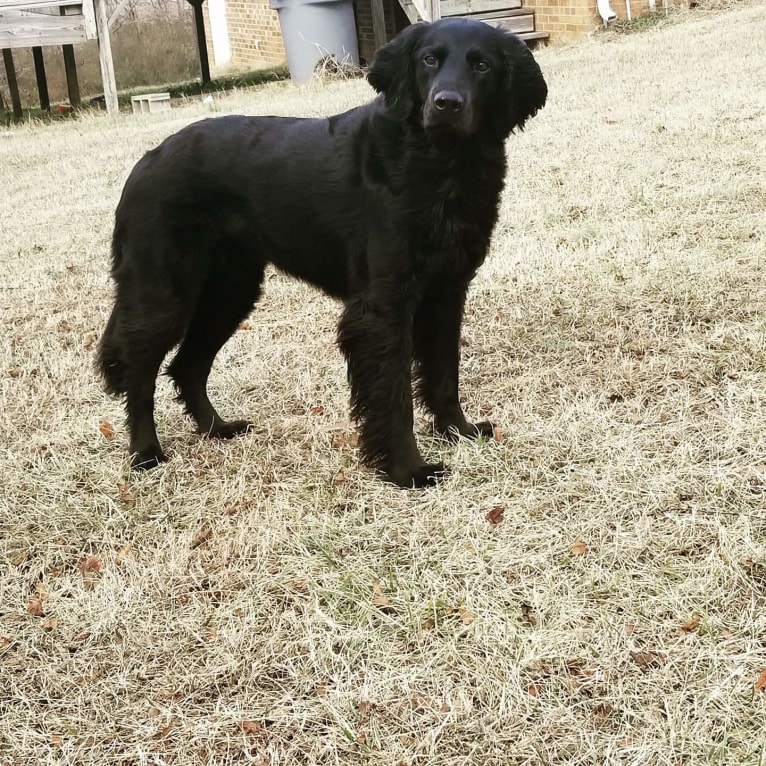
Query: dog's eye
point(481, 66)
point(430, 60)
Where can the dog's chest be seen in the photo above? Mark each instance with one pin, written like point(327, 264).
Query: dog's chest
point(459, 213)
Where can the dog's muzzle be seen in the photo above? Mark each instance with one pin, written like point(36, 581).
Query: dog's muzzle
point(448, 110)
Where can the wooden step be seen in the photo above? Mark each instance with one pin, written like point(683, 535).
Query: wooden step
point(470, 7)
point(533, 38)
point(517, 22)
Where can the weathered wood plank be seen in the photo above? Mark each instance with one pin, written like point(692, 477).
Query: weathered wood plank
point(29, 31)
point(379, 23)
point(29, 5)
point(519, 23)
point(466, 7)
point(105, 57)
point(410, 11)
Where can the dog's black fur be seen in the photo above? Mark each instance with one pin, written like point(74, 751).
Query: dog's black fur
point(388, 207)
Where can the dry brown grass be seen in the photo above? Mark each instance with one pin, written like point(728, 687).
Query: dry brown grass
point(265, 601)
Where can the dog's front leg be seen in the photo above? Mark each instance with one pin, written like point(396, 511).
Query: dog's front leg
point(375, 336)
point(436, 354)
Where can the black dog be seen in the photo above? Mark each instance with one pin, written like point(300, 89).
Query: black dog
point(388, 207)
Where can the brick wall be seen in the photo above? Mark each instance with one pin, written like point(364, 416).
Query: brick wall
point(256, 39)
point(254, 34)
point(570, 19)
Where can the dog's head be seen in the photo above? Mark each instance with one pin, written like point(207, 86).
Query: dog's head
point(458, 75)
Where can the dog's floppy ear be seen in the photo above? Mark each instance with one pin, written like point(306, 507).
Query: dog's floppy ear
point(526, 87)
point(391, 72)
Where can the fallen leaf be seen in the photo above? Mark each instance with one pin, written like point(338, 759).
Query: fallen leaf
point(361, 738)
point(498, 434)
point(201, 537)
point(245, 325)
point(5, 642)
point(88, 340)
point(495, 516)
point(49, 623)
point(466, 615)
point(647, 660)
point(125, 495)
point(106, 429)
point(629, 628)
point(380, 600)
point(35, 606)
point(317, 409)
point(253, 728)
point(57, 740)
point(760, 682)
point(365, 706)
point(125, 552)
point(90, 564)
point(428, 624)
point(339, 478)
point(533, 690)
point(578, 548)
point(444, 707)
point(528, 614)
point(692, 624)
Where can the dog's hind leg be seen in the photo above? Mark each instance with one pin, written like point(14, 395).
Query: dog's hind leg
point(147, 339)
point(226, 299)
point(436, 352)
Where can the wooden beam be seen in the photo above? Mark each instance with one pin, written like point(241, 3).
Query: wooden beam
point(31, 4)
point(38, 29)
point(117, 12)
point(379, 23)
point(42, 80)
point(13, 85)
point(105, 57)
point(199, 26)
point(434, 9)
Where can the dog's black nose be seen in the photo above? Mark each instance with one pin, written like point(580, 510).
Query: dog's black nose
point(449, 101)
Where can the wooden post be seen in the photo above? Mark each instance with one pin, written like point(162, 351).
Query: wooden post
point(379, 23)
point(70, 68)
point(199, 26)
point(434, 7)
point(72, 83)
point(13, 85)
point(42, 80)
point(105, 57)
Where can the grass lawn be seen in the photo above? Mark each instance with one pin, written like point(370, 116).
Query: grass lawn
point(588, 588)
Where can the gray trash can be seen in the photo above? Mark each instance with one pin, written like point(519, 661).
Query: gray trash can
point(313, 29)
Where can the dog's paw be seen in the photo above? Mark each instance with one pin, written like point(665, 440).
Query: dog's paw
point(427, 475)
point(147, 458)
point(228, 429)
point(484, 429)
point(453, 433)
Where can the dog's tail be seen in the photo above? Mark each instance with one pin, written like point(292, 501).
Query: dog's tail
point(110, 362)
